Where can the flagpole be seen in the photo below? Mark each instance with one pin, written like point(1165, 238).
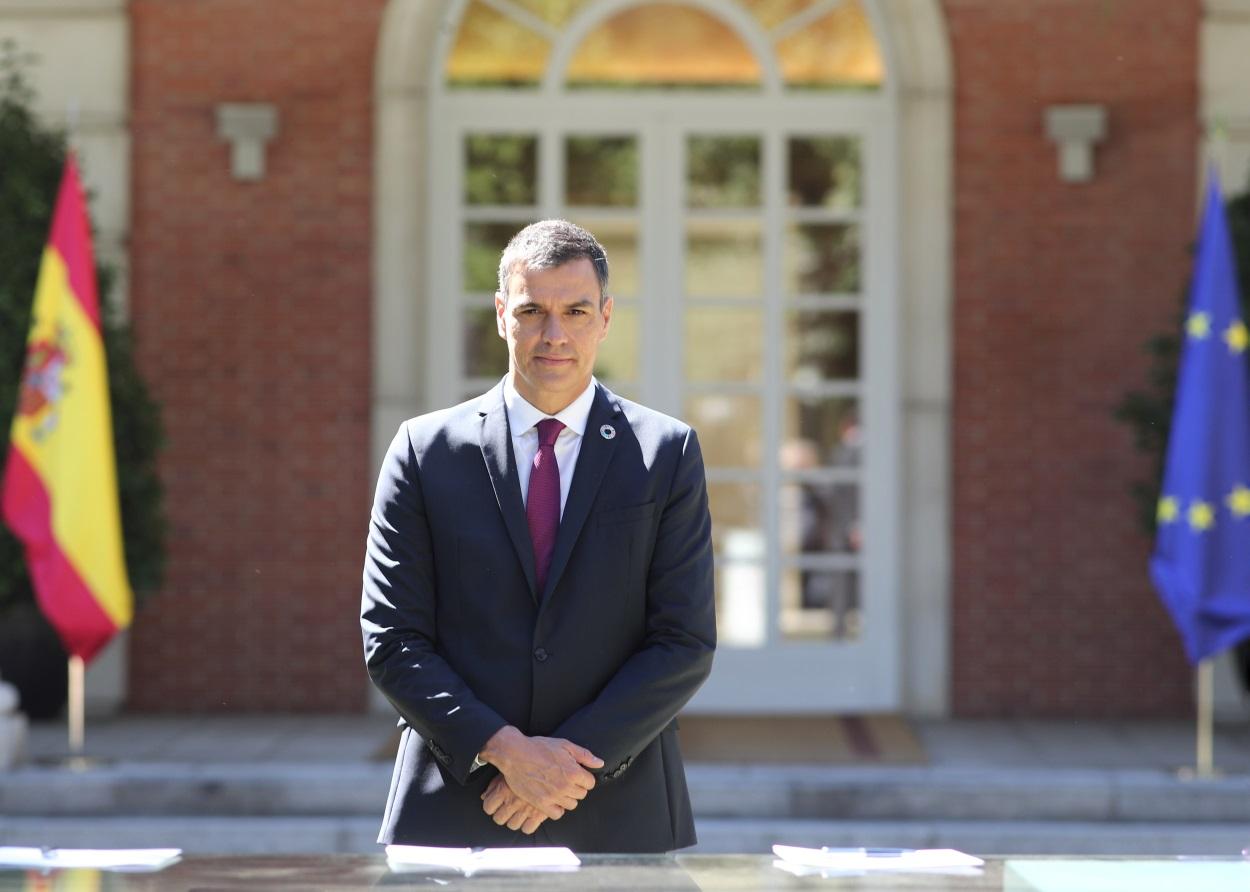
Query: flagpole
point(1205, 758)
point(77, 706)
point(77, 668)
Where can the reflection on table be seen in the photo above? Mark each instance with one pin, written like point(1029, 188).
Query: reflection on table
point(655, 873)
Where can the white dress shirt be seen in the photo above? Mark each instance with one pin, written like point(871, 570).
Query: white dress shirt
point(523, 419)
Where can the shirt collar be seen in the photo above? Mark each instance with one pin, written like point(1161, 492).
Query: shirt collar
point(522, 415)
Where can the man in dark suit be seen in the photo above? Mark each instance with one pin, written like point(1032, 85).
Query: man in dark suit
point(538, 589)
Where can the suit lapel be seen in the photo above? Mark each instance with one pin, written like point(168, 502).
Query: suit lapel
point(592, 462)
point(500, 463)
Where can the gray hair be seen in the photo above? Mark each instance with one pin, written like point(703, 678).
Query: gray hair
point(551, 243)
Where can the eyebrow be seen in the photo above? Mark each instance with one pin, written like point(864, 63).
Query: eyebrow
point(584, 302)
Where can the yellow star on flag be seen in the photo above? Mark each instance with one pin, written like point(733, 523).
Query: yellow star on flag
point(1201, 516)
point(1239, 501)
point(1169, 510)
point(1198, 325)
point(1237, 337)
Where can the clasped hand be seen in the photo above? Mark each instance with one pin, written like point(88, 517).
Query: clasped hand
point(539, 778)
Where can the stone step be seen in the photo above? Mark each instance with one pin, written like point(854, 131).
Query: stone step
point(981, 837)
point(227, 789)
point(299, 835)
point(922, 793)
point(717, 791)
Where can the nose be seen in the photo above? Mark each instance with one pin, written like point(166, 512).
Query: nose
point(553, 329)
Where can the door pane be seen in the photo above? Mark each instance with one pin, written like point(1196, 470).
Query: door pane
point(724, 344)
point(483, 245)
point(822, 345)
point(820, 518)
point(724, 258)
point(723, 172)
point(485, 353)
point(820, 432)
point(741, 597)
point(500, 169)
point(822, 258)
point(825, 172)
point(729, 428)
point(820, 604)
point(620, 240)
point(735, 511)
point(618, 352)
point(601, 171)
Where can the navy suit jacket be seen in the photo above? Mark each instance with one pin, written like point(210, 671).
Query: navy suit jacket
point(461, 642)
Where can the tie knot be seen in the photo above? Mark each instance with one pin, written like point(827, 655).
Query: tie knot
point(548, 430)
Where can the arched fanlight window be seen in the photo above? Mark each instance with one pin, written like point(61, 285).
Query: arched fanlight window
point(817, 44)
point(834, 51)
point(663, 45)
point(495, 50)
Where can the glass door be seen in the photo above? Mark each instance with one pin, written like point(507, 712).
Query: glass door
point(777, 291)
point(751, 301)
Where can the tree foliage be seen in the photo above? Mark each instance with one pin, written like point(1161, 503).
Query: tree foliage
point(32, 156)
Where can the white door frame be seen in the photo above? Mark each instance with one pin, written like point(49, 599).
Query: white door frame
point(913, 38)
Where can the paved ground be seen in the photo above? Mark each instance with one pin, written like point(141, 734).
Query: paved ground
point(1033, 744)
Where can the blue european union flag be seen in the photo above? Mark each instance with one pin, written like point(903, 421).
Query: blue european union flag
point(1201, 563)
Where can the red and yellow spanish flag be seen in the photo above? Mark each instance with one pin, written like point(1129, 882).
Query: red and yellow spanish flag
point(60, 481)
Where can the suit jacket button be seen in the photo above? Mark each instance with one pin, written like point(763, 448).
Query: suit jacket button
point(540, 655)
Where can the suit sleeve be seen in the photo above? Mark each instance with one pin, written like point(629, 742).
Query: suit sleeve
point(675, 657)
point(397, 619)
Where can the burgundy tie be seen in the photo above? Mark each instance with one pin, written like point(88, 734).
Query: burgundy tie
point(542, 504)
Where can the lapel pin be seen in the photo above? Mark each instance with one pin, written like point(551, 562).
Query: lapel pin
point(607, 432)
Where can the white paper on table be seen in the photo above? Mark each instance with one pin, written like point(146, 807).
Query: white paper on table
point(833, 872)
point(99, 859)
point(539, 858)
point(876, 860)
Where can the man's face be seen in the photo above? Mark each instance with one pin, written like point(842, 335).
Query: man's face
point(553, 324)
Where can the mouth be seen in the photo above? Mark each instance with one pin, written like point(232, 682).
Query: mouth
point(553, 360)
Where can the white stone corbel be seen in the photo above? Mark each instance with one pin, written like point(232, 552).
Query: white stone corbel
point(247, 126)
point(1077, 129)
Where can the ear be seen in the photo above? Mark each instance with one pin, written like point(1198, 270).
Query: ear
point(501, 307)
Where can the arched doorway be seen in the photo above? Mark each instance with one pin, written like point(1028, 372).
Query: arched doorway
point(748, 199)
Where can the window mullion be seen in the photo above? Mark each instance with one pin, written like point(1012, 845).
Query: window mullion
point(774, 227)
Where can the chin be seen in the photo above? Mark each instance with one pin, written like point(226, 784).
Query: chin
point(555, 379)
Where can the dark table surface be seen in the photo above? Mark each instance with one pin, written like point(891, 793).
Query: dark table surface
point(651, 874)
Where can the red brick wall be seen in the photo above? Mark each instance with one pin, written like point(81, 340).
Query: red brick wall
point(251, 305)
point(1056, 288)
